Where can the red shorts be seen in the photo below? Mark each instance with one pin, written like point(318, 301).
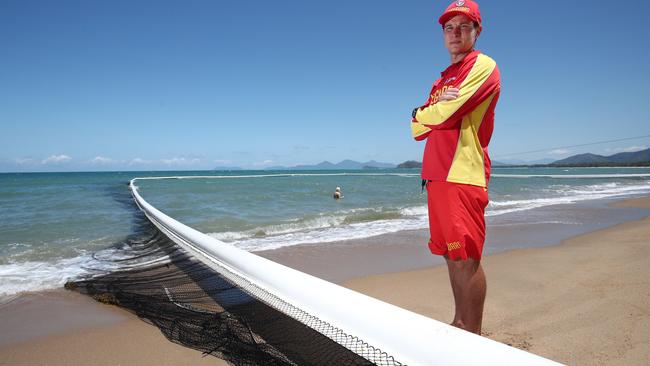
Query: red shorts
point(456, 219)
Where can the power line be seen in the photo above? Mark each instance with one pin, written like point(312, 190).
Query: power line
point(570, 146)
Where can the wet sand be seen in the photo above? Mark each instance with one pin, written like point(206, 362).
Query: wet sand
point(582, 302)
point(66, 328)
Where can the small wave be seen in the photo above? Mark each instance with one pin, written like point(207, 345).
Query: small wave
point(307, 226)
point(364, 223)
point(568, 195)
point(14, 249)
point(230, 236)
point(29, 276)
point(19, 245)
point(38, 276)
point(571, 176)
point(613, 189)
point(315, 223)
point(414, 211)
point(372, 215)
point(357, 230)
point(295, 225)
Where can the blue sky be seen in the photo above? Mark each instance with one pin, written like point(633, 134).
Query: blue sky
point(131, 85)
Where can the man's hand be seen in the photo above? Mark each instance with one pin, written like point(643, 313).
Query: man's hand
point(449, 94)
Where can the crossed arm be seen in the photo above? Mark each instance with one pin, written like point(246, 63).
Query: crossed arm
point(456, 101)
point(421, 131)
point(449, 94)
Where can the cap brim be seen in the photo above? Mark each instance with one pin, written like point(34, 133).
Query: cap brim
point(450, 14)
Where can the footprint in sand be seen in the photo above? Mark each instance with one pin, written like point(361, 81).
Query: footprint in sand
point(521, 341)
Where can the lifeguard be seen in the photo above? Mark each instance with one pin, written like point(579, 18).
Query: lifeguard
point(456, 121)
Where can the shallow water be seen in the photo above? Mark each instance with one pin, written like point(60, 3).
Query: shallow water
point(52, 223)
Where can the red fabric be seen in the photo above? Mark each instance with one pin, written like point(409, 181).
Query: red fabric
point(442, 141)
point(453, 76)
point(456, 220)
point(485, 135)
point(465, 7)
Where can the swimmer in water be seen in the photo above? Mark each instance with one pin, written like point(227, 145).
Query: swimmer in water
point(337, 193)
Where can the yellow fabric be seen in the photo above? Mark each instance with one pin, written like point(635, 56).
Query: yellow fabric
point(468, 165)
point(438, 113)
point(418, 130)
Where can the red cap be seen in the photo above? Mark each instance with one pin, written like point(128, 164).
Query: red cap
point(461, 7)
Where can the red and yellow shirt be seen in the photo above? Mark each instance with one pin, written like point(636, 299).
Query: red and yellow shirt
point(458, 131)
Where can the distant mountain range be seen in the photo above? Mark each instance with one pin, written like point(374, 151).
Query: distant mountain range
point(410, 164)
point(343, 165)
point(521, 162)
point(626, 158)
point(639, 158)
point(227, 168)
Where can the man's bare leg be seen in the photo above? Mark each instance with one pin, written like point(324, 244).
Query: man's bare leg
point(468, 285)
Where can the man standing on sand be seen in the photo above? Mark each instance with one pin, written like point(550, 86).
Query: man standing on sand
point(457, 121)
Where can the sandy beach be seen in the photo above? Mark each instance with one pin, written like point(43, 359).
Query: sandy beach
point(67, 328)
point(580, 302)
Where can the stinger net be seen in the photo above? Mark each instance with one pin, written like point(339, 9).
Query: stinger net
point(219, 314)
point(247, 310)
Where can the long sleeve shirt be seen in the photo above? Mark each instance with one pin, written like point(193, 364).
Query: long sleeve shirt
point(458, 131)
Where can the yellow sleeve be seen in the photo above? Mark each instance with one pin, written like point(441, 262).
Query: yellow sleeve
point(419, 131)
point(438, 113)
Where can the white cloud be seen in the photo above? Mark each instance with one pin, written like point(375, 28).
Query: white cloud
point(626, 149)
point(559, 152)
point(175, 161)
point(23, 161)
point(101, 160)
point(57, 159)
point(219, 161)
point(138, 161)
point(180, 161)
point(265, 162)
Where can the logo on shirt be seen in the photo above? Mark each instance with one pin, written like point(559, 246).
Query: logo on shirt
point(433, 99)
point(435, 96)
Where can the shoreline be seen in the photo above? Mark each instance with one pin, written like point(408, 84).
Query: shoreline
point(83, 328)
point(406, 250)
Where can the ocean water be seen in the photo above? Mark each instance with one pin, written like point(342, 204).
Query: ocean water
point(57, 226)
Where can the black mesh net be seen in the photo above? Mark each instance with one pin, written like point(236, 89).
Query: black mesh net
point(195, 306)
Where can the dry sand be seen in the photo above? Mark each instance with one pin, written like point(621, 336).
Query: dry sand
point(583, 302)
